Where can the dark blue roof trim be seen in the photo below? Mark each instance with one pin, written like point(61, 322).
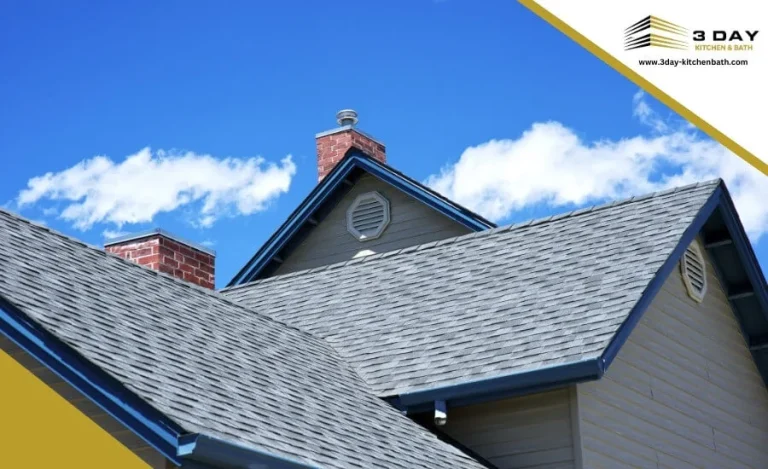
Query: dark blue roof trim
point(212, 452)
point(500, 387)
point(754, 307)
point(745, 251)
point(333, 182)
point(717, 214)
point(111, 396)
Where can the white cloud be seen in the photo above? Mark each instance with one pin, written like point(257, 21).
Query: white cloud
point(645, 114)
point(208, 243)
point(112, 234)
point(550, 164)
point(99, 190)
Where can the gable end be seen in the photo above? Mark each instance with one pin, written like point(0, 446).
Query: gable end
point(325, 197)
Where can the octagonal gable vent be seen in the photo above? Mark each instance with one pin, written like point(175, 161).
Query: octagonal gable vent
point(368, 216)
point(694, 269)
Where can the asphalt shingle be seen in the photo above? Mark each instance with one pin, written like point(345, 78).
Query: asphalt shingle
point(495, 303)
point(210, 364)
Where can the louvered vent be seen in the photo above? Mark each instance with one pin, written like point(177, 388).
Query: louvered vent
point(368, 216)
point(694, 270)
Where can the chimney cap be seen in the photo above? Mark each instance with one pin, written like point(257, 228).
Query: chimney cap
point(157, 232)
point(346, 117)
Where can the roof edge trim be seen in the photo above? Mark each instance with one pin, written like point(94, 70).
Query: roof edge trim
point(353, 159)
point(99, 387)
point(500, 387)
point(743, 246)
point(213, 451)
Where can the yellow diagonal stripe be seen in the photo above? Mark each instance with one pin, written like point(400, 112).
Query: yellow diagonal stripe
point(649, 87)
point(40, 429)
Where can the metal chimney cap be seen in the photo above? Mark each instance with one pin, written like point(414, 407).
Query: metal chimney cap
point(346, 117)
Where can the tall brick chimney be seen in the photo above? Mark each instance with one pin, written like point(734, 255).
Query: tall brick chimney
point(164, 252)
point(333, 144)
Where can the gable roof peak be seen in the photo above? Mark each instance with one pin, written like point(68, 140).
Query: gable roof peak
point(330, 190)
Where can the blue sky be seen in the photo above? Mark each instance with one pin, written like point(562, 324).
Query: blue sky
point(448, 86)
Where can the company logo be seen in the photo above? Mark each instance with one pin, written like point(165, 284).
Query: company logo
point(653, 31)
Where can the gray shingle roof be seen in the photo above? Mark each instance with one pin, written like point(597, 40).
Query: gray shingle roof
point(495, 303)
point(211, 365)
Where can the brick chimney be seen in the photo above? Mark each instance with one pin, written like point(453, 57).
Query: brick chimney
point(333, 144)
point(164, 252)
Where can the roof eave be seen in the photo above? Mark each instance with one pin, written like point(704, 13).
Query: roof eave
point(213, 452)
point(501, 387)
point(758, 344)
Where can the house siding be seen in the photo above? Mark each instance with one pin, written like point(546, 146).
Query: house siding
point(524, 432)
point(149, 455)
point(683, 392)
point(411, 223)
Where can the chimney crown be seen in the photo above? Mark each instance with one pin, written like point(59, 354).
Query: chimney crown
point(333, 144)
point(159, 250)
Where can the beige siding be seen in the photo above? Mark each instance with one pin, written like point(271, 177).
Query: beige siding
point(683, 392)
point(411, 223)
point(525, 432)
point(72, 395)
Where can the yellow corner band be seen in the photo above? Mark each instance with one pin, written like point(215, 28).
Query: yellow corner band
point(649, 87)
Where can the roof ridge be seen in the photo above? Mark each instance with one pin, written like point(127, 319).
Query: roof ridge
point(183, 283)
point(488, 232)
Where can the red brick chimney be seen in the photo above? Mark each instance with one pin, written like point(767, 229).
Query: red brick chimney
point(333, 144)
point(164, 252)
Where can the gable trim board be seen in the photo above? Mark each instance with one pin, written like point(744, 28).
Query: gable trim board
point(123, 405)
point(756, 279)
point(570, 373)
point(330, 190)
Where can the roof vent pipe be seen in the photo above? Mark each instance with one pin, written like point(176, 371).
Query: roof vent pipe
point(346, 117)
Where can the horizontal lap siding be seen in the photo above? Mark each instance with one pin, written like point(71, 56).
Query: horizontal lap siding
point(525, 432)
point(125, 436)
point(683, 392)
point(411, 223)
